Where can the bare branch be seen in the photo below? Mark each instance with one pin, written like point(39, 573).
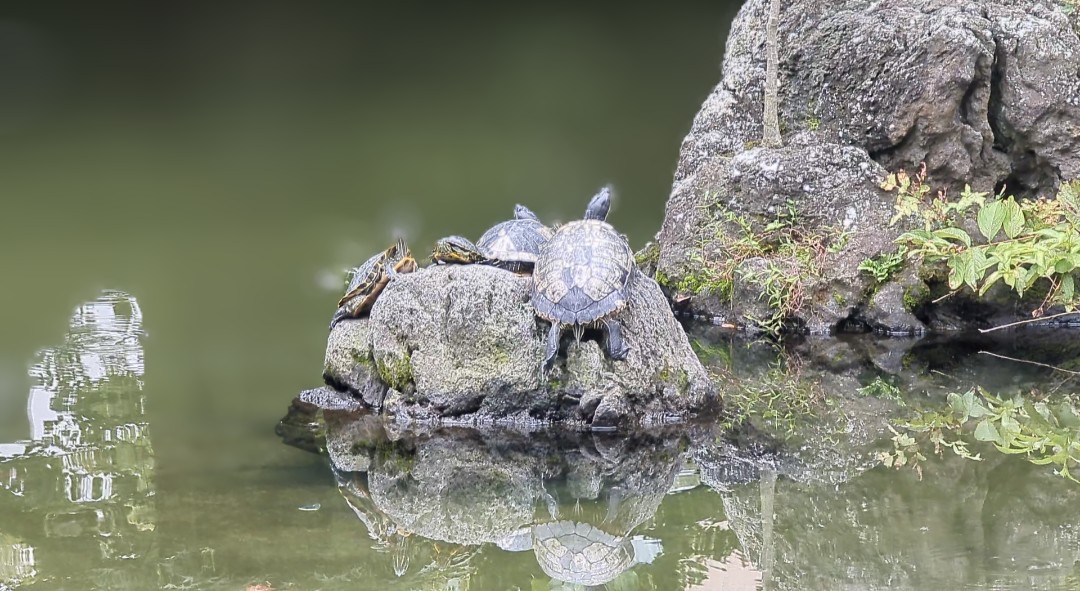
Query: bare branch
point(1053, 367)
point(770, 118)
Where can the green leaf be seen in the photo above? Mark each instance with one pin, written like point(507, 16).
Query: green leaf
point(1063, 266)
point(985, 431)
point(1014, 218)
point(990, 218)
point(1068, 289)
point(989, 282)
point(956, 274)
point(1036, 417)
point(1066, 415)
point(954, 234)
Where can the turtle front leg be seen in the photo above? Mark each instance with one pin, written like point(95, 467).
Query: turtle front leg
point(617, 349)
point(339, 315)
point(550, 349)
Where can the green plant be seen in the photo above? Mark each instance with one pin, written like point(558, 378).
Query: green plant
point(1025, 241)
point(812, 123)
point(782, 401)
point(885, 265)
point(1041, 432)
point(880, 388)
point(780, 257)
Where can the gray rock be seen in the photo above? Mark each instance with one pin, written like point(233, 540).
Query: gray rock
point(834, 189)
point(462, 343)
point(348, 364)
point(985, 92)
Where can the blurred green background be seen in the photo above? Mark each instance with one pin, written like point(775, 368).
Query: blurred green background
point(225, 162)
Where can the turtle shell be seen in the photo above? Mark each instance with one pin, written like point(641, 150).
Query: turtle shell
point(514, 241)
point(581, 273)
point(364, 278)
point(580, 553)
point(369, 279)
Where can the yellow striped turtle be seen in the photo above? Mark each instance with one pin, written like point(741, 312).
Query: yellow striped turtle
point(370, 278)
point(512, 245)
point(456, 250)
point(581, 279)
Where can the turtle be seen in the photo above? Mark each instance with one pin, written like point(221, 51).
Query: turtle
point(370, 278)
point(456, 250)
point(581, 278)
point(512, 245)
point(579, 553)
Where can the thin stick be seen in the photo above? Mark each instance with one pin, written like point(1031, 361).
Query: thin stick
point(945, 296)
point(1053, 367)
point(1029, 321)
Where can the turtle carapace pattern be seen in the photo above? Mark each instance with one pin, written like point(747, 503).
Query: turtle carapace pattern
point(581, 278)
point(514, 244)
point(370, 278)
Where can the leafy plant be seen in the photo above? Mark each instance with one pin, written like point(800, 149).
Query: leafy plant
point(791, 256)
point(1025, 241)
point(782, 400)
point(885, 265)
point(1041, 432)
point(879, 388)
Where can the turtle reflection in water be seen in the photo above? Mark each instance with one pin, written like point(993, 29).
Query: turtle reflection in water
point(581, 279)
point(512, 245)
point(429, 560)
point(580, 553)
point(370, 278)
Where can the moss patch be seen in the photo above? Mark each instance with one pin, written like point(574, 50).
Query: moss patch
point(915, 297)
point(396, 373)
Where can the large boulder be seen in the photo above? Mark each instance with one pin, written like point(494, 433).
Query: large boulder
point(986, 93)
point(841, 211)
point(462, 343)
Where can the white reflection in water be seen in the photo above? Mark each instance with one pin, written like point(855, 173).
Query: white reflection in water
point(86, 470)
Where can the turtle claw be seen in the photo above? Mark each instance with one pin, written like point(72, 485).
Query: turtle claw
point(551, 349)
point(617, 349)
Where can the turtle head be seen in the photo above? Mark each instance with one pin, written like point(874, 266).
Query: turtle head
point(455, 250)
point(399, 249)
point(524, 213)
point(398, 259)
point(599, 205)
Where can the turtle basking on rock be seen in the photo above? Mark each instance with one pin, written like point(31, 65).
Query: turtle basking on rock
point(581, 278)
point(512, 245)
point(370, 278)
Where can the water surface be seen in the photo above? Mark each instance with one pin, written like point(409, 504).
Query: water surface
point(181, 188)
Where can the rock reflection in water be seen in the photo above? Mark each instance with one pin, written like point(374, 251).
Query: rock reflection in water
point(435, 501)
point(83, 477)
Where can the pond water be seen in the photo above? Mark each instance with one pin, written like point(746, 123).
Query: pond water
point(182, 188)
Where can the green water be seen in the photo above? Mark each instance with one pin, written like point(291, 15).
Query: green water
point(181, 188)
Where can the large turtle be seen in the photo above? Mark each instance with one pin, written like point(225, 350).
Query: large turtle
point(371, 278)
point(581, 279)
point(512, 245)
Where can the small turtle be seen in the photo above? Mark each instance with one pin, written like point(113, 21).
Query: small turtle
point(371, 278)
point(456, 250)
point(512, 245)
point(581, 279)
